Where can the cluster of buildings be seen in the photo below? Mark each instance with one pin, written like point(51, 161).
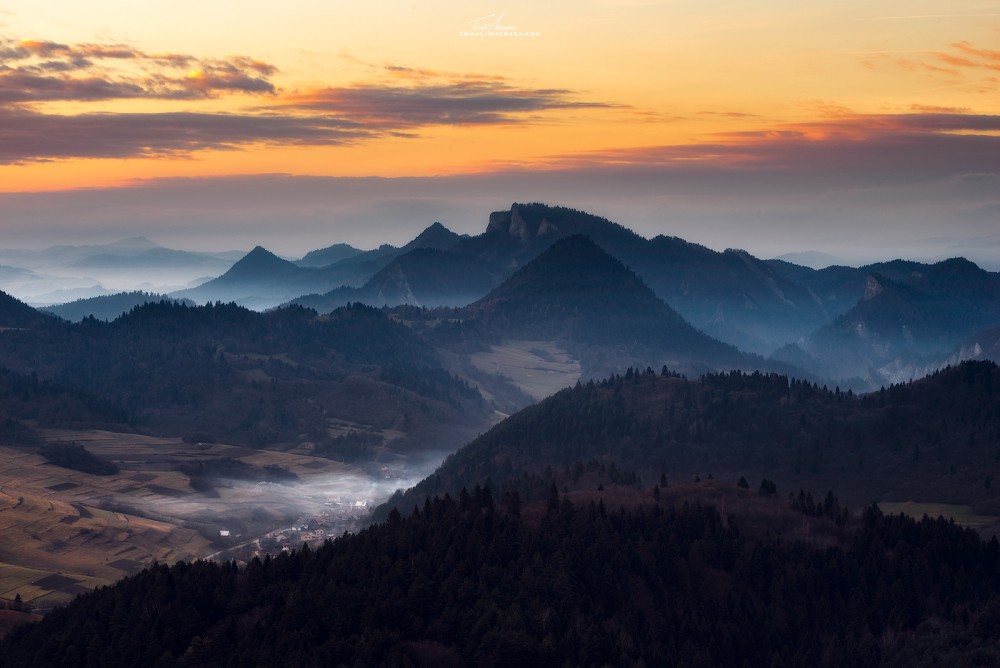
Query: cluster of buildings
point(336, 517)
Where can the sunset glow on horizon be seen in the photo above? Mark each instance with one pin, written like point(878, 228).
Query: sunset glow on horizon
point(110, 94)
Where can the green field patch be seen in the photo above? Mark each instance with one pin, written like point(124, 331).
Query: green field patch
point(30, 594)
point(55, 581)
point(58, 545)
point(63, 486)
point(12, 577)
point(237, 452)
point(35, 585)
point(84, 512)
point(127, 565)
point(961, 514)
point(166, 491)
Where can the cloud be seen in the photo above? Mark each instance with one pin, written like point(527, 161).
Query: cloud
point(729, 114)
point(397, 101)
point(33, 71)
point(27, 136)
point(881, 147)
point(956, 63)
point(464, 102)
point(935, 109)
point(973, 57)
point(20, 87)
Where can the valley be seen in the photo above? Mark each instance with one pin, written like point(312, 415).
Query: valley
point(64, 531)
point(556, 367)
point(622, 333)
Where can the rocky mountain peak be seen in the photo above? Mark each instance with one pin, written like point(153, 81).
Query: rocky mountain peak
point(519, 222)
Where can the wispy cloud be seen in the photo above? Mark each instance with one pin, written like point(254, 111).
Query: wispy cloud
point(967, 55)
point(888, 146)
point(960, 63)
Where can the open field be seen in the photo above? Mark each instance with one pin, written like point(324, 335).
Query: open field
point(538, 368)
point(63, 531)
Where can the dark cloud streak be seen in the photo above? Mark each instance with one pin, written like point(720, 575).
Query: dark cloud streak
point(883, 147)
point(27, 136)
point(454, 103)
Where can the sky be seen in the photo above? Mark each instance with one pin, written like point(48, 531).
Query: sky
point(862, 130)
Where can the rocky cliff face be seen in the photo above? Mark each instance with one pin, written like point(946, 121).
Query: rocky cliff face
point(523, 227)
point(873, 288)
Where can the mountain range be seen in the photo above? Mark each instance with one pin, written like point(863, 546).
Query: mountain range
point(581, 297)
point(58, 274)
point(767, 307)
point(618, 521)
point(911, 317)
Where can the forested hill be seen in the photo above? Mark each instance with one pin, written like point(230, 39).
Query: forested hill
point(937, 439)
point(576, 290)
point(579, 295)
point(471, 581)
point(15, 313)
point(107, 307)
point(26, 399)
point(254, 378)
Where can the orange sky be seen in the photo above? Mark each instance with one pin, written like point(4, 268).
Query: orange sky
point(574, 78)
point(111, 93)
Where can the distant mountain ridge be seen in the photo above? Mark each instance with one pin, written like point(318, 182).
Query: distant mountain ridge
point(768, 307)
point(580, 296)
point(63, 273)
point(262, 280)
point(327, 256)
point(420, 277)
point(731, 295)
point(106, 307)
point(909, 320)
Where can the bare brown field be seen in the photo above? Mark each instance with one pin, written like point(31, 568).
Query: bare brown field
point(538, 368)
point(63, 532)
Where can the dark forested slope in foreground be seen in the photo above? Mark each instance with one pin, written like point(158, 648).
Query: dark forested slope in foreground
point(470, 581)
point(937, 439)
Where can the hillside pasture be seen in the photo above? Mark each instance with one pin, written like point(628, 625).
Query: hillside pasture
point(537, 368)
point(64, 531)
